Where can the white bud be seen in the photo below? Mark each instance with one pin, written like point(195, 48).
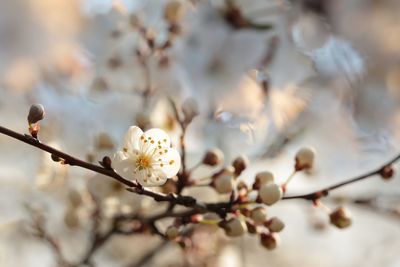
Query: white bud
point(263, 178)
point(235, 227)
point(258, 215)
point(275, 224)
point(172, 232)
point(224, 184)
point(305, 158)
point(270, 193)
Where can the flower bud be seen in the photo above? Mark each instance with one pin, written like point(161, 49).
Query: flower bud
point(172, 232)
point(190, 109)
point(240, 164)
point(270, 193)
point(173, 11)
point(224, 184)
point(304, 159)
point(275, 224)
point(262, 178)
point(387, 172)
point(270, 240)
point(106, 162)
point(258, 215)
point(213, 157)
point(234, 227)
point(251, 227)
point(36, 113)
point(340, 217)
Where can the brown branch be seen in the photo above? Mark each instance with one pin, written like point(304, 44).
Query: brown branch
point(186, 201)
point(42, 234)
point(325, 191)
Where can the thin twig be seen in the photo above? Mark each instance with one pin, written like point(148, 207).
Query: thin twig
point(325, 191)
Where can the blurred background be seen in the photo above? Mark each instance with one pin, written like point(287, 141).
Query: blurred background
point(268, 77)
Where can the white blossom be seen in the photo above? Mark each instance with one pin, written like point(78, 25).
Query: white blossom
point(147, 157)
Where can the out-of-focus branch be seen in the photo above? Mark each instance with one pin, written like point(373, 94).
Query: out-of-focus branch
point(325, 191)
point(41, 233)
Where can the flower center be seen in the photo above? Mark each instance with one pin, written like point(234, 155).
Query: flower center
point(143, 162)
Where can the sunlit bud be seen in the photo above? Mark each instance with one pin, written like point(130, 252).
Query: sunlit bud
point(270, 193)
point(71, 218)
point(270, 240)
point(304, 159)
point(172, 232)
point(275, 224)
point(340, 217)
point(213, 157)
point(190, 109)
point(387, 172)
point(75, 198)
point(258, 215)
point(173, 11)
point(262, 178)
point(36, 113)
point(251, 227)
point(234, 227)
point(240, 164)
point(104, 141)
point(224, 184)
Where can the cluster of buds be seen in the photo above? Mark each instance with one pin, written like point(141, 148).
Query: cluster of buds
point(225, 180)
point(255, 222)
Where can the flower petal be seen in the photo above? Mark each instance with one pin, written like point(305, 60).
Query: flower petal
point(169, 162)
point(156, 137)
point(123, 166)
point(131, 138)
